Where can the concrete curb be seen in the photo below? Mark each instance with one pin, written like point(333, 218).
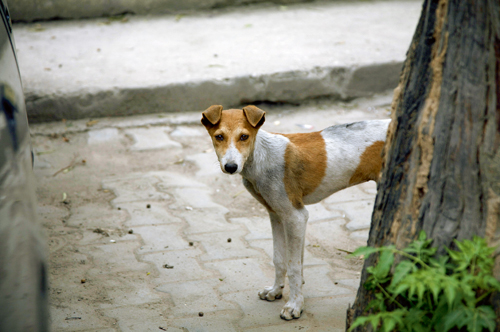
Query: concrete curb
point(97, 68)
point(34, 10)
point(285, 87)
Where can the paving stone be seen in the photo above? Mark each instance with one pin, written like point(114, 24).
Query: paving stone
point(95, 215)
point(267, 246)
point(141, 318)
point(318, 212)
point(242, 274)
point(141, 215)
point(170, 180)
point(359, 213)
point(256, 312)
point(97, 238)
point(316, 231)
point(207, 163)
point(186, 266)
point(89, 318)
point(114, 258)
point(146, 139)
point(221, 321)
point(67, 268)
point(259, 228)
point(124, 290)
point(352, 283)
point(357, 225)
point(319, 284)
point(161, 237)
point(351, 194)
point(217, 246)
point(207, 220)
point(331, 236)
point(40, 162)
point(369, 187)
point(183, 131)
point(104, 135)
point(192, 297)
point(197, 198)
point(329, 312)
point(51, 215)
point(134, 188)
point(361, 235)
point(302, 325)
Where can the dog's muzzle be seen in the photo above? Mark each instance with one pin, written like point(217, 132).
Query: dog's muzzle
point(231, 168)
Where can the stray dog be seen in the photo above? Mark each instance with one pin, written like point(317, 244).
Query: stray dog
point(284, 172)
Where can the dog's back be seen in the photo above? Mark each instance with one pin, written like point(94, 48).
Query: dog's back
point(353, 156)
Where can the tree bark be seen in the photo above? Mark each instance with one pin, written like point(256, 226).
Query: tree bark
point(441, 169)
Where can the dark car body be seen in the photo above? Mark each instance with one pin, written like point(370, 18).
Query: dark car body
point(23, 272)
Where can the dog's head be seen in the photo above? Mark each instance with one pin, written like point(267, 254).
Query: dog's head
point(233, 134)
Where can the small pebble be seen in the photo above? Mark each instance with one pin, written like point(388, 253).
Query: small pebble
point(83, 281)
point(168, 266)
point(229, 240)
point(191, 244)
point(148, 206)
point(119, 208)
point(200, 314)
point(131, 231)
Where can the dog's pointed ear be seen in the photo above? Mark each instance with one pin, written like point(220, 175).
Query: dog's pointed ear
point(211, 116)
point(254, 115)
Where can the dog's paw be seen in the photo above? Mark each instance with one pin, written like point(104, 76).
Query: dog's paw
point(293, 309)
point(271, 293)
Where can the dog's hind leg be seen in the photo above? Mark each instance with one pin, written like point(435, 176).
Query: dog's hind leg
point(279, 259)
point(295, 231)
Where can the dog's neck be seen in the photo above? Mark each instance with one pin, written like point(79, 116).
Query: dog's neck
point(265, 155)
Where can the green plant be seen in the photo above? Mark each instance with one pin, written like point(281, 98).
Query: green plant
point(427, 292)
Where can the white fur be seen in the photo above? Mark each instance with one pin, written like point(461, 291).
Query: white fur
point(263, 174)
point(232, 156)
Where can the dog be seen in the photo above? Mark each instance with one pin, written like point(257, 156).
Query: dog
point(285, 172)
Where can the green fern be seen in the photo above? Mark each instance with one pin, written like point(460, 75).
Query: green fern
point(425, 293)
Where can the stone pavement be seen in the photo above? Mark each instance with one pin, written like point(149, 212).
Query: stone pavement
point(146, 233)
point(151, 64)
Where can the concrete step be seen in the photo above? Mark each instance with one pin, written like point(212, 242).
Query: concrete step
point(93, 68)
point(35, 10)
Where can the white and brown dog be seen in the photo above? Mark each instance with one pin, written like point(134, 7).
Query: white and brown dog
point(284, 172)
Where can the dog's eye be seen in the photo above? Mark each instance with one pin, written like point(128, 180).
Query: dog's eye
point(243, 137)
point(219, 137)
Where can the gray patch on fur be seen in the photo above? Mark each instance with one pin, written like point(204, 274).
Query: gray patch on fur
point(340, 129)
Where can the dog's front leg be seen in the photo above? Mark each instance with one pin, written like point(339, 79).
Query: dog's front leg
point(279, 259)
point(295, 231)
point(274, 292)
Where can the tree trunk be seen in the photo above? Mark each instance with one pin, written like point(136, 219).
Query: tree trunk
point(442, 158)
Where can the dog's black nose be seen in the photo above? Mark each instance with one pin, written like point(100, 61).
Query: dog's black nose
point(231, 168)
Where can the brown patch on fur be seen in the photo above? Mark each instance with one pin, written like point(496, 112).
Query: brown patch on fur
point(305, 165)
point(370, 164)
